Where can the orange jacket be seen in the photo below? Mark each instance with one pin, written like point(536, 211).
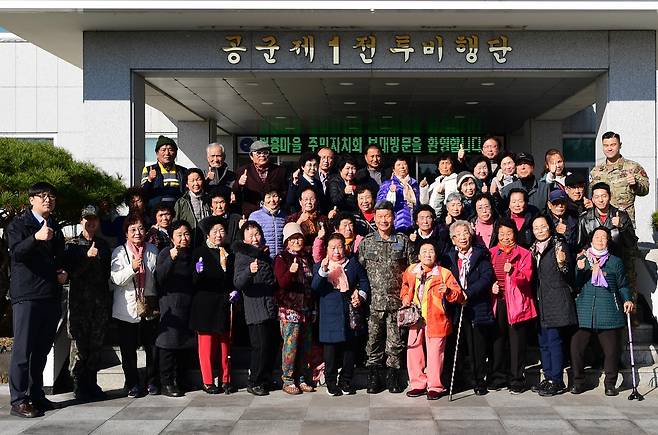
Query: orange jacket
point(437, 322)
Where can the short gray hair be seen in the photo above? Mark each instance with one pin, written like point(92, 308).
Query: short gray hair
point(461, 223)
point(454, 196)
point(215, 145)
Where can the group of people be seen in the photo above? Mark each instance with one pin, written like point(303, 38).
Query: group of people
point(328, 258)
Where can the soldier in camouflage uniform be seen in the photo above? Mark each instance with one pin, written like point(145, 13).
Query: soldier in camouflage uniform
point(385, 255)
point(88, 259)
point(626, 178)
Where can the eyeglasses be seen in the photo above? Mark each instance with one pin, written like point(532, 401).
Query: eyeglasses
point(44, 196)
point(483, 208)
point(262, 153)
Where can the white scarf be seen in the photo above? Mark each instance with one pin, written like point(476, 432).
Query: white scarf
point(466, 265)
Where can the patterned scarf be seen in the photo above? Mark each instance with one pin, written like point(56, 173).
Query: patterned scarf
point(337, 276)
point(408, 191)
point(598, 279)
point(538, 248)
point(466, 265)
point(506, 249)
point(140, 276)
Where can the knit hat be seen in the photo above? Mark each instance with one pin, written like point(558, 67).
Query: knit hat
point(463, 176)
point(90, 210)
point(164, 140)
point(291, 229)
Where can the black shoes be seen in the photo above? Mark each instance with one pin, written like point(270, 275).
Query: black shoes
point(611, 391)
point(435, 395)
point(333, 390)
point(552, 388)
point(227, 388)
point(480, 390)
point(516, 389)
point(172, 391)
point(44, 404)
point(25, 410)
point(374, 381)
point(577, 389)
point(393, 381)
point(258, 390)
point(211, 389)
point(346, 387)
point(540, 386)
point(417, 392)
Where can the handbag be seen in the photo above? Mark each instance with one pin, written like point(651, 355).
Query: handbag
point(356, 318)
point(409, 316)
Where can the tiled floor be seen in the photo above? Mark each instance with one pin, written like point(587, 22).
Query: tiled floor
point(317, 413)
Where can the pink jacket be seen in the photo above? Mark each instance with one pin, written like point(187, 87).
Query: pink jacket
point(518, 286)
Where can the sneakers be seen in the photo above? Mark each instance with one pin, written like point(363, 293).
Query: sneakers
point(333, 390)
point(134, 391)
point(553, 388)
point(516, 389)
point(540, 386)
point(374, 381)
point(346, 387)
point(153, 390)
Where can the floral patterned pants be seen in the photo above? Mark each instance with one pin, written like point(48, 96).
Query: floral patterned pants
point(296, 351)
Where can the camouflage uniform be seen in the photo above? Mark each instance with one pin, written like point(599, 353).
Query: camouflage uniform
point(384, 261)
point(622, 195)
point(89, 305)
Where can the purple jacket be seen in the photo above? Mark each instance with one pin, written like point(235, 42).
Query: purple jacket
point(404, 215)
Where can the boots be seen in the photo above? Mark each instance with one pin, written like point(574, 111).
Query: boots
point(374, 381)
point(393, 381)
point(81, 391)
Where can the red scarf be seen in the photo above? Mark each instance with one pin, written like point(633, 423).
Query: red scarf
point(506, 249)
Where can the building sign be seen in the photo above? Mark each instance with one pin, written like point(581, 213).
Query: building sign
point(366, 47)
point(355, 144)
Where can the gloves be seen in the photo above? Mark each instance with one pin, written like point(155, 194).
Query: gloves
point(199, 265)
point(234, 296)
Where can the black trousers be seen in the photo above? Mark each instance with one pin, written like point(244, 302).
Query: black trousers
point(264, 338)
point(509, 365)
point(131, 335)
point(339, 355)
point(609, 340)
point(475, 340)
point(35, 326)
point(170, 362)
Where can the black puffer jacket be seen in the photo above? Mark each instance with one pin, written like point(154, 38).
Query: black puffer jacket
point(258, 288)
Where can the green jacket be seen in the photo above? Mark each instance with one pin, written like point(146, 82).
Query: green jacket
point(601, 307)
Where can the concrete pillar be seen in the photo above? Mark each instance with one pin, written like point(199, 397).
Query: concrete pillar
point(194, 137)
point(626, 104)
point(543, 136)
point(137, 125)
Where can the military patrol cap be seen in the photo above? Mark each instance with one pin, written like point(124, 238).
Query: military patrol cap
point(258, 146)
point(525, 158)
point(574, 179)
point(90, 210)
point(164, 140)
point(557, 195)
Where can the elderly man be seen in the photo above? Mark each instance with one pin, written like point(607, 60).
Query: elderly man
point(373, 174)
point(88, 260)
point(164, 181)
point(626, 178)
point(36, 249)
point(257, 178)
point(537, 189)
point(219, 176)
point(384, 254)
point(491, 149)
point(326, 166)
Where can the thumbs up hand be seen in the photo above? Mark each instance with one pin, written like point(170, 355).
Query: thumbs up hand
point(211, 174)
point(136, 263)
point(630, 179)
point(62, 276)
point(423, 182)
point(294, 267)
point(173, 253)
point(243, 178)
point(616, 219)
point(495, 289)
point(484, 189)
point(321, 231)
point(392, 187)
point(152, 174)
point(253, 266)
point(92, 251)
point(461, 153)
point(332, 213)
point(561, 256)
point(508, 267)
point(295, 177)
point(242, 221)
point(199, 265)
point(561, 227)
point(45, 233)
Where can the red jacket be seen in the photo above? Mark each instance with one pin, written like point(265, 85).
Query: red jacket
point(437, 323)
point(518, 286)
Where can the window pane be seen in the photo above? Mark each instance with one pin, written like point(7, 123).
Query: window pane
point(579, 149)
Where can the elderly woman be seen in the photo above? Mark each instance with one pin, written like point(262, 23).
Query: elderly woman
point(426, 229)
point(453, 211)
point(133, 284)
point(603, 300)
point(513, 307)
point(365, 217)
point(428, 286)
point(210, 315)
point(554, 302)
point(158, 234)
point(254, 276)
point(309, 217)
point(484, 222)
point(482, 173)
point(194, 205)
point(305, 177)
point(471, 264)
point(521, 213)
point(402, 191)
point(506, 174)
point(345, 225)
point(341, 188)
point(293, 271)
point(342, 286)
point(174, 277)
point(468, 188)
point(271, 218)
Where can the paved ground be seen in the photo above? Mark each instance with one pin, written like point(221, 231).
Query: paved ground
point(317, 413)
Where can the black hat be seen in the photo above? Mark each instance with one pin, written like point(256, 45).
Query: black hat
point(574, 179)
point(525, 158)
point(164, 140)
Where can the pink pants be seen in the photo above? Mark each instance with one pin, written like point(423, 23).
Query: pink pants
point(209, 345)
point(421, 375)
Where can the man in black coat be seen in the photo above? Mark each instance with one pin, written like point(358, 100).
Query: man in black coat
point(36, 248)
point(537, 189)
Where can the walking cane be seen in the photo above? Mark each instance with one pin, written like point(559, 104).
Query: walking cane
point(454, 360)
point(635, 395)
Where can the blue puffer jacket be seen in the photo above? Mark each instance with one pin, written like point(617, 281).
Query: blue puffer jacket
point(272, 225)
point(404, 215)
